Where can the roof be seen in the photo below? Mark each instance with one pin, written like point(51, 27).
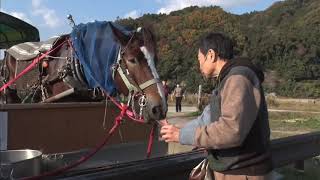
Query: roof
point(14, 31)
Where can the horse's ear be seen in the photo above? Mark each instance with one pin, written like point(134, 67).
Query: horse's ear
point(119, 36)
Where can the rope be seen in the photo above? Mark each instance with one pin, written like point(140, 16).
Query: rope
point(150, 143)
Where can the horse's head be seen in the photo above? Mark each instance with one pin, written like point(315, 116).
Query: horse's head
point(139, 77)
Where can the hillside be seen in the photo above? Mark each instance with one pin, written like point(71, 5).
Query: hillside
point(284, 40)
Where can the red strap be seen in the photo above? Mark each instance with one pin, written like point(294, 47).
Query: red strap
point(129, 113)
point(150, 144)
point(31, 66)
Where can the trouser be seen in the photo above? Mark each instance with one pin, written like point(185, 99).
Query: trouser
point(220, 176)
point(178, 104)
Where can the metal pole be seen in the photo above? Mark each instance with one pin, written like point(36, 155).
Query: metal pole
point(59, 96)
point(199, 97)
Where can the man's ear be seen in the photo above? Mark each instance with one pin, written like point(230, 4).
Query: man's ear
point(119, 36)
point(212, 55)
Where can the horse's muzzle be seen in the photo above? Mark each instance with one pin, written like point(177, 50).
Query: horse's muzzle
point(157, 112)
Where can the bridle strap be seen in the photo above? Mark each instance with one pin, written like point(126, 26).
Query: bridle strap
point(125, 77)
point(122, 74)
point(126, 81)
point(148, 83)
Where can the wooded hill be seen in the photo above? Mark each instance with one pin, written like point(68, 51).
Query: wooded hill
point(284, 40)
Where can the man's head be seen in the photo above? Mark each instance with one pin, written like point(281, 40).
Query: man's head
point(214, 50)
point(164, 82)
point(178, 85)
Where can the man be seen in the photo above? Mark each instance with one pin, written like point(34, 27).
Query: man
point(165, 89)
point(177, 93)
point(234, 127)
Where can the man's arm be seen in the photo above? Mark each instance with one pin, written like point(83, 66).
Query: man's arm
point(240, 102)
point(187, 132)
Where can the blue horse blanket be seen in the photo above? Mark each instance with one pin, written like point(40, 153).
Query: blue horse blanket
point(97, 50)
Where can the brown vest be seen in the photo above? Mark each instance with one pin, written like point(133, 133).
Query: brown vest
point(253, 156)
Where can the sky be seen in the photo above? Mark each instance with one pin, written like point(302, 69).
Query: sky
point(50, 16)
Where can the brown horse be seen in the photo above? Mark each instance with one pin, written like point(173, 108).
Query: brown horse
point(61, 71)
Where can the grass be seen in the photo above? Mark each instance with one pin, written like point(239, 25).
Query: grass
point(311, 171)
point(284, 124)
point(196, 113)
point(285, 104)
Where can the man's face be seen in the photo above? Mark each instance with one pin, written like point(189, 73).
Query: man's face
point(206, 64)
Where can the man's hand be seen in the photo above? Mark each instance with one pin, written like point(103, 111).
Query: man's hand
point(169, 133)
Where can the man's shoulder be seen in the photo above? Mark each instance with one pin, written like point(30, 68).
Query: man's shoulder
point(244, 72)
point(241, 70)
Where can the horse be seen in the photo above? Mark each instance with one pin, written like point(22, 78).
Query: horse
point(133, 74)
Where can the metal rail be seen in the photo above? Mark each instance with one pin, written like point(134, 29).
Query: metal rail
point(284, 151)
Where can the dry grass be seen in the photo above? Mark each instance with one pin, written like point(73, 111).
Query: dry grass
point(293, 104)
point(285, 124)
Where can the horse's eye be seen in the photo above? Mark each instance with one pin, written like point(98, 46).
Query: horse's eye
point(133, 61)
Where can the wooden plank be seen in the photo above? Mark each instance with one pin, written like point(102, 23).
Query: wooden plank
point(66, 127)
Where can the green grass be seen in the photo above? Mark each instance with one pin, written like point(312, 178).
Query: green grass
point(192, 114)
point(293, 121)
point(311, 172)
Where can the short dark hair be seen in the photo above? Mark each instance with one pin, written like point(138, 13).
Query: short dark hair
point(218, 42)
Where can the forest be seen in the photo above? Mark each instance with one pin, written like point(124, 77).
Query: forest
point(284, 40)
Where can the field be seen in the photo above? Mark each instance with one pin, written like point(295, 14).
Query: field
point(287, 117)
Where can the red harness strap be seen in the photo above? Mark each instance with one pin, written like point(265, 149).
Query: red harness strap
point(30, 67)
point(131, 116)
